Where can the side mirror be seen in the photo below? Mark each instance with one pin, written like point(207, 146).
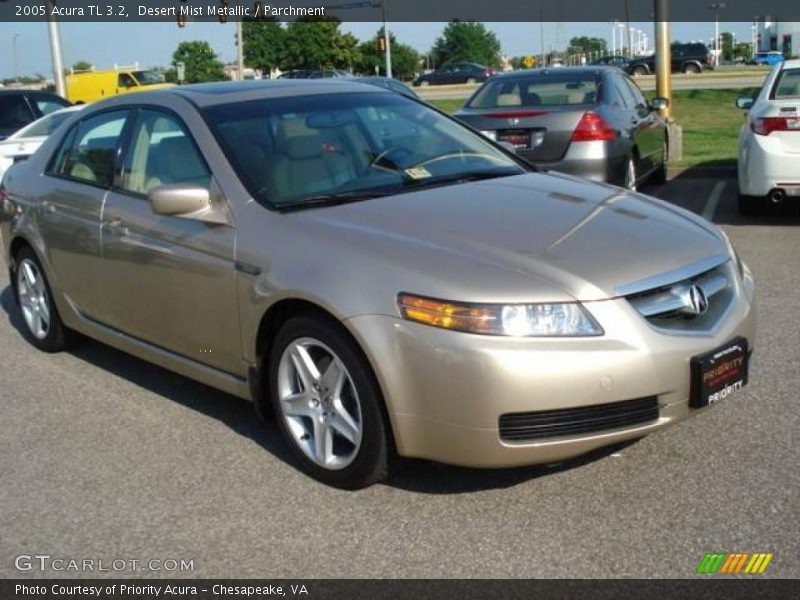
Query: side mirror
point(179, 200)
point(745, 103)
point(659, 103)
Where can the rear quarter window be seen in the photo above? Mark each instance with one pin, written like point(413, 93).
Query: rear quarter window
point(787, 85)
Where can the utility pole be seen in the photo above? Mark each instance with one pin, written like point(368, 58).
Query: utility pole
point(240, 50)
point(541, 31)
point(628, 28)
point(16, 56)
point(386, 40)
point(55, 51)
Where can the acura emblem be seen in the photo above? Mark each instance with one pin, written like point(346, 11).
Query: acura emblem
point(694, 300)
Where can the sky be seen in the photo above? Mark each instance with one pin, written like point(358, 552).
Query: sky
point(152, 44)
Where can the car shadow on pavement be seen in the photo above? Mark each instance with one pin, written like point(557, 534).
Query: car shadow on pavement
point(239, 415)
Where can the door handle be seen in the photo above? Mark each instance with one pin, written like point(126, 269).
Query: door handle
point(117, 226)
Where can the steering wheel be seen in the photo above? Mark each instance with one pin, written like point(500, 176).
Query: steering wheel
point(375, 162)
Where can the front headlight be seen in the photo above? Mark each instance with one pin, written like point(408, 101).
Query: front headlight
point(519, 320)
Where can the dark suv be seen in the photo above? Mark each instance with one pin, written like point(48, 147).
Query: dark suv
point(20, 107)
point(686, 58)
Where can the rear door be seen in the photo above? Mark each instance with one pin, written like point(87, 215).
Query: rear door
point(649, 129)
point(72, 193)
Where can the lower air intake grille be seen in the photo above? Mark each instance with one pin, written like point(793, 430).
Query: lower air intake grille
point(516, 427)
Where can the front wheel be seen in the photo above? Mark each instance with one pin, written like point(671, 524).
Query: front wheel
point(472, 81)
point(43, 326)
point(328, 404)
point(691, 69)
point(639, 71)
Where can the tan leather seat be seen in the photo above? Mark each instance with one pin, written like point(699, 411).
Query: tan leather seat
point(305, 164)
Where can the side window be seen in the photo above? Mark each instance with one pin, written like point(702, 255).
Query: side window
point(125, 80)
point(638, 97)
point(628, 99)
point(89, 152)
point(14, 111)
point(162, 152)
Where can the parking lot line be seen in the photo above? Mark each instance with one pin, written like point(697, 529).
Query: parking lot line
point(713, 200)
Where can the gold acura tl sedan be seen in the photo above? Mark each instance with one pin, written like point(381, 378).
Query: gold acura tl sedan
point(383, 279)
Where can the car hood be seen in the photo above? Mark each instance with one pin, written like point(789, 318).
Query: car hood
point(584, 238)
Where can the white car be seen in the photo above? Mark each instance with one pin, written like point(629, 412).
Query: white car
point(769, 142)
point(27, 140)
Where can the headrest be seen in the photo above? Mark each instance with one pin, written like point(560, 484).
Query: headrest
point(509, 100)
point(302, 146)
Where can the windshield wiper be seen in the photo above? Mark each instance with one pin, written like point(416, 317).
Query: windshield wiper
point(329, 200)
point(455, 178)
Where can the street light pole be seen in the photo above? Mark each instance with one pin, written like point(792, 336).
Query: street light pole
point(55, 50)
point(386, 41)
point(716, 6)
point(16, 56)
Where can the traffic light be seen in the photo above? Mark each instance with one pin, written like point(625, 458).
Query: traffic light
point(223, 14)
point(381, 44)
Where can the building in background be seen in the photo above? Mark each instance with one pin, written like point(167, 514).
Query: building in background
point(773, 34)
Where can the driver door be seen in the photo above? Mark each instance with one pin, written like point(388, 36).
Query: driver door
point(169, 280)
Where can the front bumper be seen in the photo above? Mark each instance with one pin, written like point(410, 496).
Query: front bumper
point(445, 391)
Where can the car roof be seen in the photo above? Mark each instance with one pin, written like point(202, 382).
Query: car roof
point(209, 94)
point(791, 64)
point(561, 71)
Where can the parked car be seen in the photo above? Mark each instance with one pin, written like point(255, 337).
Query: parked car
point(376, 274)
point(768, 58)
point(26, 141)
point(769, 141)
point(686, 58)
point(296, 74)
point(621, 62)
point(89, 86)
point(588, 121)
point(455, 73)
point(20, 107)
point(329, 74)
point(389, 83)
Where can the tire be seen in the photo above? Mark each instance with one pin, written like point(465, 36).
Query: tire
point(691, 69)
point(338, 436)
point(629, 176)
point(639, 71)
point(751, 205)
point(660, 175)
point(42, 324)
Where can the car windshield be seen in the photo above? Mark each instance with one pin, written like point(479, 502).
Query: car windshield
point(549, 89)
point(305, 150)
point(148, 77)
point(44, 126)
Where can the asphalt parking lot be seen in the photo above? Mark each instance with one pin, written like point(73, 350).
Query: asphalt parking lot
point(104, 456)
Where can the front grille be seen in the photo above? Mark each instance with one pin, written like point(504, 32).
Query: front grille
point(537, 425)
point(666, 306)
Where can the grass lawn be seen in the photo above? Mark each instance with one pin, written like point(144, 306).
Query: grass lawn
point(709, 118)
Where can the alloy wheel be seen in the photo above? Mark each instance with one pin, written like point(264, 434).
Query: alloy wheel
point(33, 298)
point(319, 403)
